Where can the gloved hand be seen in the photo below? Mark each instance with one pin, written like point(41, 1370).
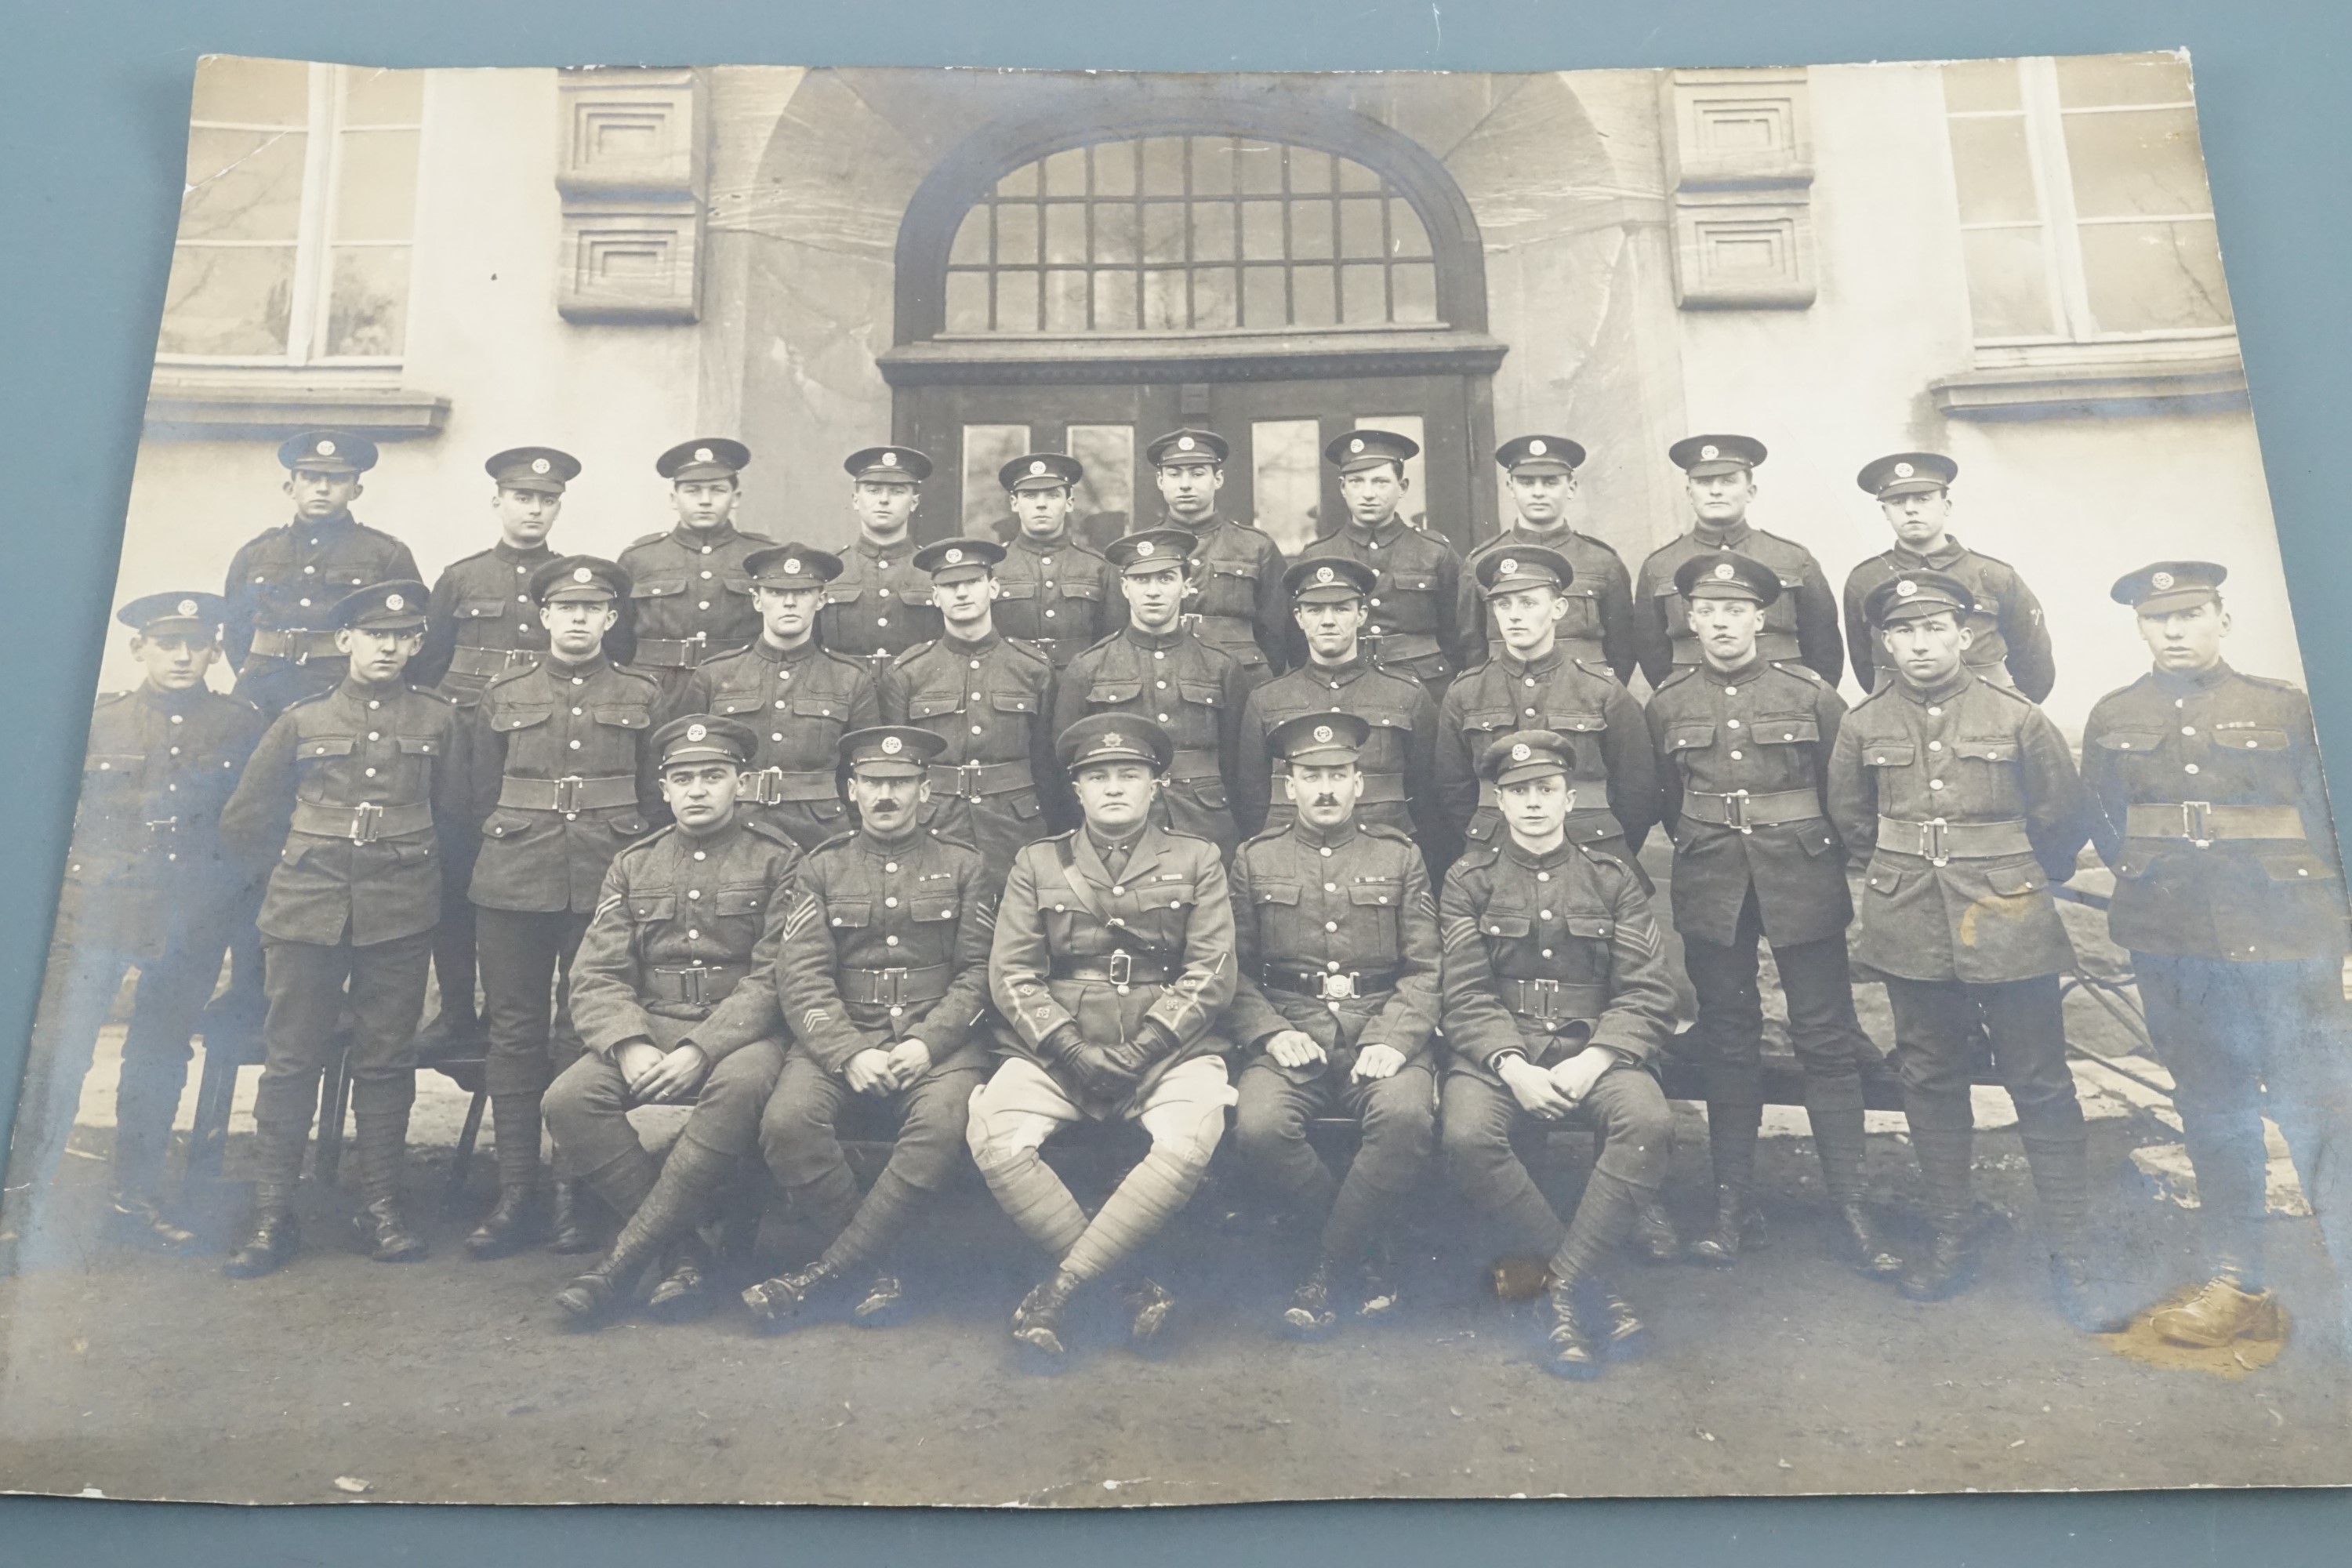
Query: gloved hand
point(1088, 1064)
point(1154, 1042)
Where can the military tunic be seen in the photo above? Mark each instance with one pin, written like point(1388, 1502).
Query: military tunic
point(1193, 690)
point(1423, 622)
point(1056, 594)
point(1599, 626)
point(2011, 644)
point(481, 622)
point(691, 599)
point(1235, 590)
point(992, 702)
point(1801, 623)
point(1616, 773)
point(879, 606)
point(1398, 763)
point(799, 701)
point(280, 586)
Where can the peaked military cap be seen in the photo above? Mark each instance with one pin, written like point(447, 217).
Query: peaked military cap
point(1914, 595)
point(159, 613)
point(1516, 566)
point(1726, 575)
point(1525, 754)
point(888, 463)
point(1324, 738)
point(1187, 445)
point(891, 749)
point(704, 458)
point(1362, 448)
point(2166, 585)
point(395, 606)
point(704, 738)
point(1906, 474)
point(328, 451)
point(1114, 738)
point(792, 565)
point(542, 468)
point(1540, 455)
point(1041, 470)
point(1152, 549)
point(955, 557)
point(1330, 577)
point(1701, 456)
point(579, 578)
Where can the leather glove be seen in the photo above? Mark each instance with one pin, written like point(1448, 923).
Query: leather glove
point(1154, 1042)
point(1061, 1049)
point(1067, 1049)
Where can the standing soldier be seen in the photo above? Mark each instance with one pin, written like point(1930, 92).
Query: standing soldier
point(883, 977)
point(881, 605)
point(1745, 740)
point(1555, 1002)
point(1397, 765)
point(1155, 668)
point(2008, 645)
point(1423, 623)
point(987, 698)
point(147, 888)
point(1599, 626)
point(673, 993)
point(358, 795)
point(687, 586)
point(2232, 907)
point(1801, 625)
point(798, 697)
point(1963, 800)
point(1236, 570)
point(1051, 590)
point(1335, 939)
point(563, 768)
point(1112, 964)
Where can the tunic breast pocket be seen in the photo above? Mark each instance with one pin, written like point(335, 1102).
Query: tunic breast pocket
point(740, 902)
point(658, 585)
point(817, 706)
point(848, 914)
point(323, 752)
point(926, 909)
point(1582, 618)
point(508, 720)
point(1785, 730)
point(650, 908)
point(1228, 588)
point(932, 704)
point(1012, 701)
point(1889, 754)
point(1576, 722)
point(1487, 721)
point(1689, 737)
point(1374, 908)
point(481, 609)
point(1114, 693)
point(1016, 593)
point(625, 715)
point(1202, 693)
point(1086, 588)
point(836, 597)
point(737, 582)
point(2250, 738)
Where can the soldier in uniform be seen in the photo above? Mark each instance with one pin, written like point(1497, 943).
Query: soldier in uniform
point(1423, 623)
point(1335, 938)
point(1155, 668)
point(987, 697)
point(798, 697)
point(1236, 571)
point(883, 975)
point(689, 593)
point(1962, 799)
point(881, 605)
point(2231, 904)
point(1557, 1002)
point(1396, 772)
point(1112, 964)
point(1052, 589)
point(147, 888)
point(673, 993)
point(1599, 626)
point(562, 769)
point(2008, 645)
point(1802, 624)
point(358, 795)
point(1744, 741)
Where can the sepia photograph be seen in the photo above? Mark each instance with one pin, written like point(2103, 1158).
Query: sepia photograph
point(1004, 789)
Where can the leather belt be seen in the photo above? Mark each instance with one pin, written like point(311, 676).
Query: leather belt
point(364, 823)
point(569, 794)
point(1379, 789)
point(775, 786)
point(695, 984)
point(683, 653)
point(1324, 985)
point(978, 781)
point(294, 643)
point(491, 660)
point(2201, 822)
point(1121, 969)
point(1189, 763)
point(1938, 841)
point(895, 989)
point(1747, 809)
point(1549, 1002)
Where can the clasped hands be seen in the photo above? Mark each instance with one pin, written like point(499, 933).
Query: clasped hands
point(1109, 1071)
point(657, 1077)
point(888, 1069)
point(1552, 1092)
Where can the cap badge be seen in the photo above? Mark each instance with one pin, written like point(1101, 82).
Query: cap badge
point(1357, 445)
point(1904, 470)
point(394, 601)
point(1323, 734)
point(793, 563)
point(583, 574)
point(1519, 752)
point(954, 557)
point(326, 448)
point(1038, 466)
point(1510, 566)
point(1709, 451)
point(889, 459)
point(539, 465)
point(2160, 581)
point(1146, 548)
point(892, 745)
point(1535, 448)
point(1724, 570)
point(702, 453)
point(1185, 443)
point(1323, 573)
point(698, 731)
point(1906, 588)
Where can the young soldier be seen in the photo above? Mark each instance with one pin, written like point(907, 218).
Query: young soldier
point(1051, 590)
point(2233, 906)
point(1744, 740)
point(1335, 939)
point(1555, 1002)
point(880, 606)
point(1236, 570)
point(989, 699)
point(1423, 622)
point(1802, 624)
point(673, 993)
point(563, 771)
point(883, 975)
point(2008, 645)
point(1157, 669)
point(147, 888)
point(1328, 602)
point(688, 586)
point(1963, 800)
point(358, 796)
point(1112, 964)
point(798, 697)
point(1597, 628)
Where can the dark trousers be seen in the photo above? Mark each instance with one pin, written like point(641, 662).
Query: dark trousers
point(2245, 1040)
point(588, 1108)
point(311, 988)
point(1828, 1037)
point(526, 958)
point(453, 941)
point(1399, 1115)
point(800, 1135)
point(1626, 1110)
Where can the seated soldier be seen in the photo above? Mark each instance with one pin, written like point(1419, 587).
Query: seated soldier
point(1112, 964)
point(1555, 1001)
point(882, 972)
point(1335, 936)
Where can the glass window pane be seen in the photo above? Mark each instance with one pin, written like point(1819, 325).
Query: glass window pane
point(1314, 297)
point(971, 248)
point(243, 184)
point(1163, 231)
point(1262, 231)
point(1355, 176)
point(378, 97)
point(1414, 285)
point(2138, 162)
point(1020, 182)
point(1163, 166)
point(1107, 493)
point(966, 302)
point(1287, 480)
point(1407, 238)
point(1993, 172)
point(1213, 231)
point(1164, 309)
point(1016, 301)
point(2085, 79)
point(367, 311)
point(1016, 233)
point(1263, 304)
point(236, 300)
point(1980, 84)
point(2009, 283)
point(1260, 163)
point(2153, 276)
point(1066, 172)
point(1213, 298)
point(1310, 231)
point(1415, 509)
point(1115, 302)
point(375, 189)
point(1310, 172)
point(1066, 232)
point(1363, 294)
point(987, 448)
point(1212, 165)
point(1114, 169)
point(252, 92)
point(1065, 301)
point(1115, 232)
point(1360, 229)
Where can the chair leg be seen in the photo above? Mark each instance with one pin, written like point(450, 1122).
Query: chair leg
point(456, 1192)
point(216, 1093)
point(334, 1108)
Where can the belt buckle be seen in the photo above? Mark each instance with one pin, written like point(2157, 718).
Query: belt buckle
point(1340, 987)
point(690, 986)
point(297, 646)
point(1121, 968)
point(162, 824)
point(691, 647)
point(515, 656)
point(567, 793)
point(364, 819)
point(896, 986)
point(1735, 811)
point(2196, 823)
point(768, 786)
point(968, 780)
point(1546, 996)
point(1936, 842)
point(1188, 620)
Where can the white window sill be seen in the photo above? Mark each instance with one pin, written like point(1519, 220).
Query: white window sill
point(2062, 381)
point(188, 402)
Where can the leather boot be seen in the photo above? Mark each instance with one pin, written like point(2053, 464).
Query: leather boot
point(1860, 1243)
point(274, 1238)
point(2084, 1298)
point(509, 1228)
point(567, 1228)
point(775, 1302)
point(2222, 1311)
point(514, 1223)
point(1945, 1270)
point(689, 1179)
point(1736, 1225)
point(1376, 1293)
point(1570, 1351)
point(1627, 1336)
point(1942, 1138)
point(1309, 1314)
point(138, 1217)
point(1654, 1232)
point(683, 1293)
point(381, 1147)
point(1148, 1307)
point(883, 1306)
point(1037, 1322)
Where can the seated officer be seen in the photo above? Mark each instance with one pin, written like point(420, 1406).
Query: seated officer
point(2232, 907)
point(673, 996)
point(882, 973)
point(1555, 1002)
point(1335, 939)
point(1112, 964)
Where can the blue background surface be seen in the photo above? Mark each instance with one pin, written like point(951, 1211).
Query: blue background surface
point(94, 125)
